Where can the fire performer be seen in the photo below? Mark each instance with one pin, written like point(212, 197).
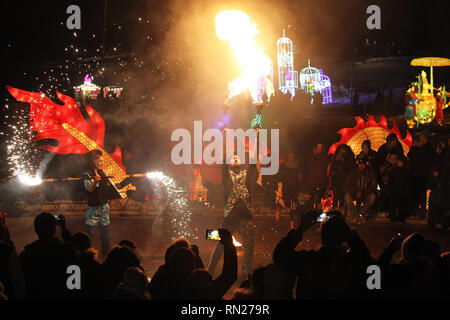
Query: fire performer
point(237, 180)
point(98, 189)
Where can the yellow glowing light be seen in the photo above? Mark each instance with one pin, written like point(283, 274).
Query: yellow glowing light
point(236, 243)
point(236, 28)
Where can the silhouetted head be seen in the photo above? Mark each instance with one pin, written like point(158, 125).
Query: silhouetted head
point(366, 145)
point(182, 262)
point(257, 278)
point(121, 258)
point(45, 225)
point(200, 279)
point(414, 248)
point(334, 231)
point(81, 241)
point(391, 140)
point(128, 243)
point(178, 243)
point(136, 278)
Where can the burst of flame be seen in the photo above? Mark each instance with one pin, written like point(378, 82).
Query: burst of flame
point(236, 28)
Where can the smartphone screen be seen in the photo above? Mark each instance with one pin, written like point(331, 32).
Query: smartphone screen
point(212, 234)
point(322, 217)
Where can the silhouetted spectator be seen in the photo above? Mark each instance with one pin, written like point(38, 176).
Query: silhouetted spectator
point(201, 285)
point(157, 283)
point(332, 272)
point(367, 153)
point(397, 189)
point(392, 145)
point(341, 164)
point(360, 186)
point(278, 284)
point(118, 260)
point(315, 178)
point(91, 269)
point(11, 274)
point(45, 261)
point(415, 276)
point(133, 287)
point(420, 160)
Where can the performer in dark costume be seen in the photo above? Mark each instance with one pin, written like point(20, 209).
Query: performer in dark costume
point(99, 191)
point(288, 188)
point(237, 180)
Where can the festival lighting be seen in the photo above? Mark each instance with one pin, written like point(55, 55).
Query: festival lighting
point(287, 76)
point(29, 180)
point(371, 130)
point(423, 105)
point(75, 134)
point(257, 69)
point(313, 80)
point(88, 89)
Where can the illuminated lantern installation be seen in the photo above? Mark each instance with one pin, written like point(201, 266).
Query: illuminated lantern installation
point(87, 90)
point(325, 88)
point(112, 91)
point(371, 130)
point(422, 103)
point(287, 76)
point(74, 133)
point(309, 78)
point(313, 80)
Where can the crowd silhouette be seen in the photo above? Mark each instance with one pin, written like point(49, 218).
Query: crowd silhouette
point(363, 185)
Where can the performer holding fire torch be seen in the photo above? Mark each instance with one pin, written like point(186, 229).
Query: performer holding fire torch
point(237, 179)
point(98, 189)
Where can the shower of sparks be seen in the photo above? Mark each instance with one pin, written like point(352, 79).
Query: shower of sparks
point(179, 211)
point(21, 155)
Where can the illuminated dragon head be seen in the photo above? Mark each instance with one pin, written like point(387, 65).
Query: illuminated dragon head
point(371, 130)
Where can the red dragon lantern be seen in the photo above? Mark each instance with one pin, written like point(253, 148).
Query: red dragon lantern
point(371, 130)
point(65, 124)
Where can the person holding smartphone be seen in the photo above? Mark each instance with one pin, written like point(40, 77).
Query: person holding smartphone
point(97, 213)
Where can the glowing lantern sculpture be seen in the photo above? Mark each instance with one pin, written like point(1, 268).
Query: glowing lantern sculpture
point(309, 78)
point(88, 89)
point(325, 88)
point(313, 80)
point(371, 130)
point(423, 107)
point(236, 28)
point(112, 91)
point(75, 134)
point(287, 76)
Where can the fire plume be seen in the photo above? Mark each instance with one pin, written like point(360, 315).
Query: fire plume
point(256, 77)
